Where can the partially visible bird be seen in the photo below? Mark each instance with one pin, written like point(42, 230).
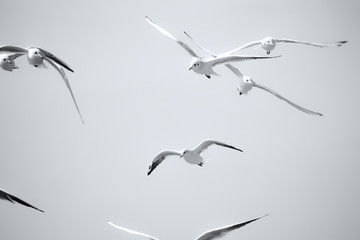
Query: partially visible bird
point(7, 61)
point(190, 156)
point(11, 198)
point(209, 235)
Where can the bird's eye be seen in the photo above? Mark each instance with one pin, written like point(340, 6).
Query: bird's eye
point(4, 59)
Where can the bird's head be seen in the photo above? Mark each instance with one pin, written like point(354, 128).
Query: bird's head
point(245, 85)
point(184, 152)
point(195, 64)
point(4, 59)
point(34, 55)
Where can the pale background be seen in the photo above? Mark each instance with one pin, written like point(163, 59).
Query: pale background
point(138, 98)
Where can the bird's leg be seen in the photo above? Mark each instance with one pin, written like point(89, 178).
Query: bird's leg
point(208, 76)
point(268, 52)
point(200, 164)
point(36, 66)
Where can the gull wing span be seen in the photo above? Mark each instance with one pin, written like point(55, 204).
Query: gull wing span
point(14, 49)
point(132, 231)
point(7, 196)
point(56, 59)
point(161, 157)
point(205, 144)
point(250, 44)
point(163, 31)
point(286, 100)
point(221, 232)
point(63, 75)
point(235, 58)
point(332, 44)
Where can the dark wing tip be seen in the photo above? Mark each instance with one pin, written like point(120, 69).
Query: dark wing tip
point(150, 170)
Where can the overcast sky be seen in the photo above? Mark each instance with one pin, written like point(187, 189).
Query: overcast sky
point(137, 98)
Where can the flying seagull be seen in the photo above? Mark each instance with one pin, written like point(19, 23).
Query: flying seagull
point(7, 61)
point(190, 156)
point(36, 57)
point(246, 83)
point(269, 43)
point(205, 65)
point(209, 235)
point(11, 198)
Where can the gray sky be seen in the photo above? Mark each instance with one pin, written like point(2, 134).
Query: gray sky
point(138, 98)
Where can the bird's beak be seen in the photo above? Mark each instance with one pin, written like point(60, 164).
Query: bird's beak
point(190, 68)
point(181, 155)
point(8, 61)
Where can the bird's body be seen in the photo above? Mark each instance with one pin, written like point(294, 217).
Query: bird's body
point(205, 66)
point(269, 44)
point(193, 157)
point(209, 235)
point(11, 198)
point(190, 156)
point(7, 61)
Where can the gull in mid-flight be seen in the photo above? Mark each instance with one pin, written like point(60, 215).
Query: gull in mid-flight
point(11, 198)
point(7, 61)
point(205, 65)
point(246, 83)
point(36, 57)
point(209, 235)
point(269, 43)
point(190, 156)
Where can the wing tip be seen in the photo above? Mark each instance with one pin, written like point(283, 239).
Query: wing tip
point(150, 170)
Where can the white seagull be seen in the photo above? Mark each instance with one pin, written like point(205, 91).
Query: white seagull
point(205, 65)
point(11, 198)
point(7, 61)
point(269, 43)
point(209, 235)
point(246, 83)
point(36, 57)
point(190, 156)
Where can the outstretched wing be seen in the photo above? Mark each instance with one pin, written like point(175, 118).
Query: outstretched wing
point(56, 59)
point(14, 49)
point(205, 144)
point(161, 157)
point(332, 44)
point(199, 46)
point(250, 44)
point(234, 70)
point(220, 232)
point(14, 56)
point(7, 196)
point(132, 231)
point(286, 100)
point(63, 75)
point(163, 31)
point(235, 58)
